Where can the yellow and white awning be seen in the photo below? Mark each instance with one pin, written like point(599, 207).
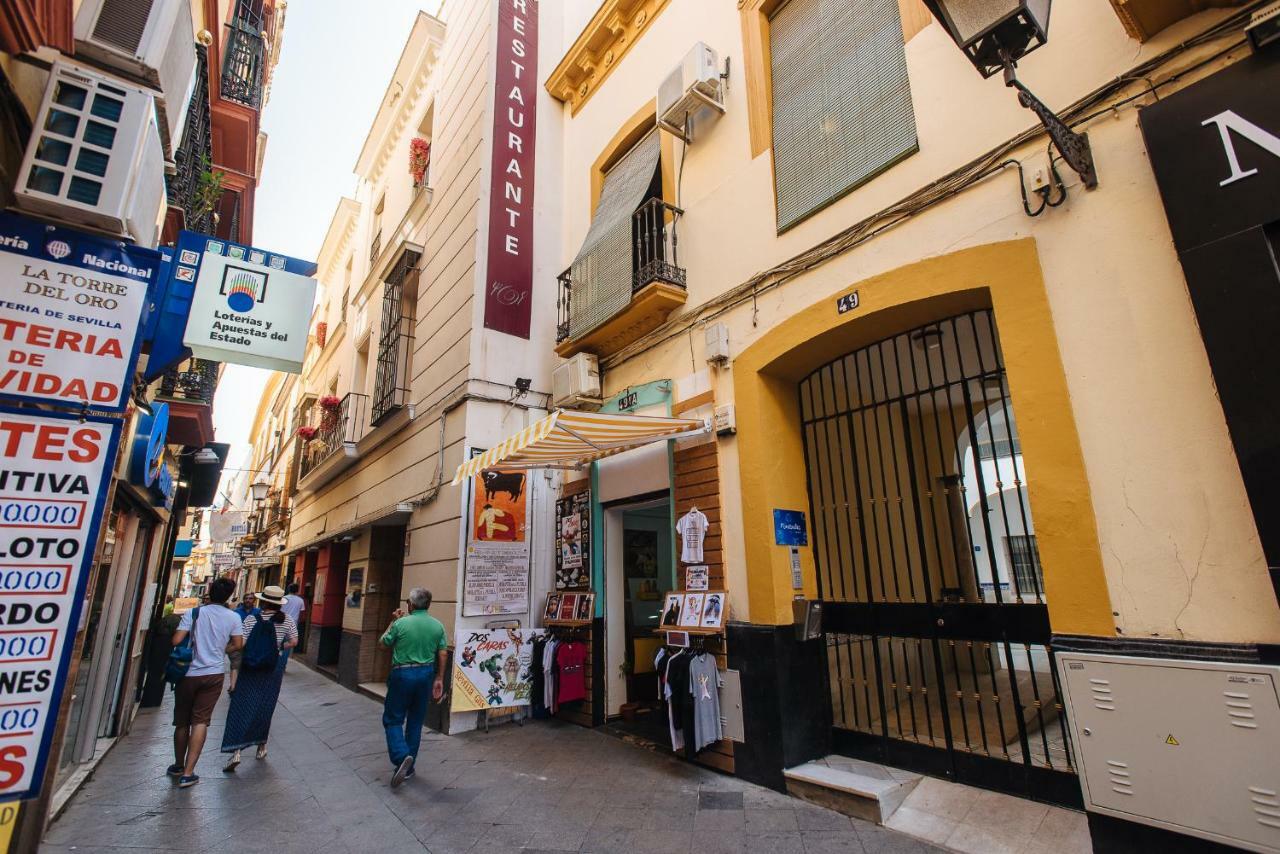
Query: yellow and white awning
point(567, 439)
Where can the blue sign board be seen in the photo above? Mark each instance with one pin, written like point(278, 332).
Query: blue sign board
point(789, 528)
point(72, 306)
point(168, 327)
point(56, 469)
point(147, 467)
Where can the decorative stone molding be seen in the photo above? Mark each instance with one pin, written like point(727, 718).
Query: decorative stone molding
point(605, 40)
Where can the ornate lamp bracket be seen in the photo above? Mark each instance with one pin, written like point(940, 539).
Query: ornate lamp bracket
point(1074, 147)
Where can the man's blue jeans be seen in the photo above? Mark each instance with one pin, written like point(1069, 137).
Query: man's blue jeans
point(405, 708)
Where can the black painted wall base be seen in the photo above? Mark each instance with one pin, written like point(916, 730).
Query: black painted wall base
point(786, 703)
point(1116, 836)
point(349, 660)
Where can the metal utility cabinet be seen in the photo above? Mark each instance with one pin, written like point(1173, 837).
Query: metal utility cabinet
point(1190, 746)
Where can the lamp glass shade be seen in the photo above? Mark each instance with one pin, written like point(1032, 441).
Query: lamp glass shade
point(260, 490)
point(985, 28)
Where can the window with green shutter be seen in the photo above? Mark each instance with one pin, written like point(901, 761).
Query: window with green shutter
point(841, 100)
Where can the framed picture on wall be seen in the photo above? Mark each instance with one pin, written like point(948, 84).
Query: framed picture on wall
point(696, 577)
point(585, 601)
point(553, 606)
point(691, 614)
point(713, 610)
point(671, 610)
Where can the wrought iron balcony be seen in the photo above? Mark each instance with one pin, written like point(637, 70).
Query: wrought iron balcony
point(196, 384)
point(245, 54)
point(188, 188)
point(658, 287)
point(342, 426)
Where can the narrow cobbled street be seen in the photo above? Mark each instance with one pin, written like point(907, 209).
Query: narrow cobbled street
point(546, 786)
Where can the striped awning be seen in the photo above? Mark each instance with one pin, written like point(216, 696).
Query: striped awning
point(567, 439)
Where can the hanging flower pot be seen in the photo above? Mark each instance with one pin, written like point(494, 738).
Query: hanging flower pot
point(330, 402)
point(419, 160)
point(307, 432)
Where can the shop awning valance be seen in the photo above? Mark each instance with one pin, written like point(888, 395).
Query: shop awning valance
point(567, 439)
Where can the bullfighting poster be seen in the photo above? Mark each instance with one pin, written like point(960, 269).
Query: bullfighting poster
point(573, 542)
point(491, 668)
point(496, 576)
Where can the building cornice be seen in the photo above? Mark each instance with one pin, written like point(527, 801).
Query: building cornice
point(610, 33)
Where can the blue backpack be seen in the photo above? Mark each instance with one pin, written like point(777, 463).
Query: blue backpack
point(260, 649)
point(175, 669)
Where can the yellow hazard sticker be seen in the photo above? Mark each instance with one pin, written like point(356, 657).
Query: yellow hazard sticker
point(1171, 740)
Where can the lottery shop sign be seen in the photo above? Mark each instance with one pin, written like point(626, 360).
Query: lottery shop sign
point(54, 469)
point(70, 309)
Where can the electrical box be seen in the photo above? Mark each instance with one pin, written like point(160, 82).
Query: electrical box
point(576, 383)
point(725, 420)
point(690, 86)
point(148, 41)
point(1189, 746)
point(94, 158)
point(718, 344)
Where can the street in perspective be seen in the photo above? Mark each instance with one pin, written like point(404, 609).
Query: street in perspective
point(640, 426)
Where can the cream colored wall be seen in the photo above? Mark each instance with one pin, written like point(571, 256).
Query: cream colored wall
point(1179, 546)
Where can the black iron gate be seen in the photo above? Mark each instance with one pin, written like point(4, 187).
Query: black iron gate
point(936, 624)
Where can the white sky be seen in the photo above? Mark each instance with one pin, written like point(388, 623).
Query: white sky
point(336, 61)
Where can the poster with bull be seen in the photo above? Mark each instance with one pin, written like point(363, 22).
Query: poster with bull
point(496, 576)
point(491, 668)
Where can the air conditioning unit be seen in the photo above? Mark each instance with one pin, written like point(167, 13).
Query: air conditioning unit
point(693, 84)
point(150, 41)
point(576, 383)
point(95, 158)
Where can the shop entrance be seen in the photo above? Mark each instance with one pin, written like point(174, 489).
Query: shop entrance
point(935, 619)
point(640, 558)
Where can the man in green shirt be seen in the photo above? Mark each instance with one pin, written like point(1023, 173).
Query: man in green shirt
point(419, 651)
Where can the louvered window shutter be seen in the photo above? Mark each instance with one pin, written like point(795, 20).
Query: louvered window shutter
point(841, 100)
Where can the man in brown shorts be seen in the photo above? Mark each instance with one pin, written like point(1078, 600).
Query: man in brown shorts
point(215, 630)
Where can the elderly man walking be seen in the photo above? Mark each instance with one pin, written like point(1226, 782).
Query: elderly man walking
point(419, 652)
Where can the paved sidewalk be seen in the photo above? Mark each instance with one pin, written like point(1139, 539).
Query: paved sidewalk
point(546, 786)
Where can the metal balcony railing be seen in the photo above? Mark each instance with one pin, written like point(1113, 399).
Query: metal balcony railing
point(346, 424)
point(654, 258)
point(245, 56)
point(196, 384)
point(194, 156)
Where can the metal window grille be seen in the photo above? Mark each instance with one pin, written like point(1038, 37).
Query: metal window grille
point(242, 69)
point(395, 339)
point(842, 108)
point(194, 154)
point(1024, 558)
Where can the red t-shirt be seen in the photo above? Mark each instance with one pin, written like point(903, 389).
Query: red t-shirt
point(571, 661)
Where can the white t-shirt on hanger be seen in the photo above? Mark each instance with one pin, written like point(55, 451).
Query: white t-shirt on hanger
point(692, 528)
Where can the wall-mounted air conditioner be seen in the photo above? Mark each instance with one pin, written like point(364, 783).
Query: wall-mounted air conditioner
point(693, 84)
point(150, 41)
point(576, 383)
point(95, 158)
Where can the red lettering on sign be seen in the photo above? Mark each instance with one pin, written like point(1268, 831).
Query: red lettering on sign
point(10, 768)
point(48, 442)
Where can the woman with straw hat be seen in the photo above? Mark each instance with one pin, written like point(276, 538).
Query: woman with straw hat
point(261, 672)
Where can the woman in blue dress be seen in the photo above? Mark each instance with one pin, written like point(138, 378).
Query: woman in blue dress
point(254, 702)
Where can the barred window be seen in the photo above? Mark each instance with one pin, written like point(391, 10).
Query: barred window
point(842, 108)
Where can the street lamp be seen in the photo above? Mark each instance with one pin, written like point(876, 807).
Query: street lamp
point(994, 35)
point(260, 489)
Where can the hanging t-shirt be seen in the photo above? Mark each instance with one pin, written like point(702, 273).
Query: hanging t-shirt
point(692, 528)
point(704, 680)
point(549, 674)
point(571, 661)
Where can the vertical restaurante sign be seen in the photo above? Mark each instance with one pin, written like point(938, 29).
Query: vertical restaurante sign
point(509, 285)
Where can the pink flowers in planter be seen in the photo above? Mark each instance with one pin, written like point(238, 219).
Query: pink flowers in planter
point(419, 160)
point(307, 432)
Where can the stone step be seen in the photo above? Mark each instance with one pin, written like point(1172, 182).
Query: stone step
point(858, 789)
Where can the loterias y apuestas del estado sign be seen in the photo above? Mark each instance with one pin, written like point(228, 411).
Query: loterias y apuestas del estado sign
point(70, 308)
point(249, 306)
